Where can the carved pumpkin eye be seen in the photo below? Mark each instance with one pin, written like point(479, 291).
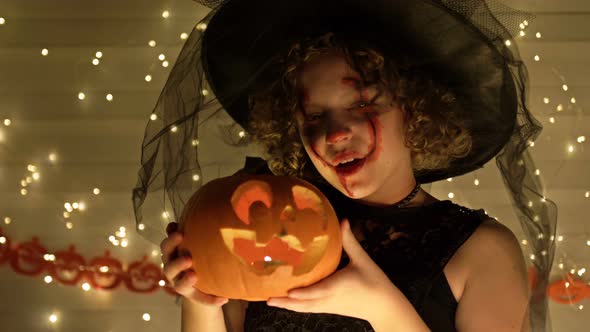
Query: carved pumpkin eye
point(247, 194)
point(305, 198)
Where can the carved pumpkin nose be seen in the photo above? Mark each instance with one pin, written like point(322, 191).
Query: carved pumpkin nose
point(288, 214)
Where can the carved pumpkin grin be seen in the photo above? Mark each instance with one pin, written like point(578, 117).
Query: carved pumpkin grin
point(264, 258)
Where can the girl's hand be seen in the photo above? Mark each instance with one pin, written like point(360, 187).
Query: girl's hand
point(178, 270)
point(361, 290)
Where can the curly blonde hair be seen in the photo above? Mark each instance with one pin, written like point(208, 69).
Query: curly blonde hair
point(434, 138)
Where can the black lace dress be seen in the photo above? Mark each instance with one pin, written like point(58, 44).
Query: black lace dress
point(411, 245)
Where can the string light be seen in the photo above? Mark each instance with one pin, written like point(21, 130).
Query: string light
point(146, 317)
point(81, 96)
point(98, 54)
point(53, 318)
point(538, 35)
point(44, 52)
point(153, 117)
point(95, 62)
point(7, 122)
point(148, 78)
point(570, 148)
point(152, 43)
point(2, 21)
point(52, 157)
point(109, 97)
point(165, 14)
point(162, 57)
point(546, 100)
point(7, 220)
point(165, 64)
point(96, 191)
point(183, 35)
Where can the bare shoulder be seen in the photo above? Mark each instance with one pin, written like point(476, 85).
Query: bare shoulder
point(491, 242)
point(496, 289)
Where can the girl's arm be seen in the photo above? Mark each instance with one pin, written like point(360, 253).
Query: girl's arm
point(198, 317)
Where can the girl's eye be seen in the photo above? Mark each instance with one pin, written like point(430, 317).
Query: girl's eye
point(314, 116)
point(362, 105)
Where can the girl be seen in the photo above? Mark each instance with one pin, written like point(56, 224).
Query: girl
point(347, 108)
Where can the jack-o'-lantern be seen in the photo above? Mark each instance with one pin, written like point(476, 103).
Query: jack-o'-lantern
point(253, 237)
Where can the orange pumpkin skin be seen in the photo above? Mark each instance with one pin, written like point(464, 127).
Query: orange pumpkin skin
point(252, 237)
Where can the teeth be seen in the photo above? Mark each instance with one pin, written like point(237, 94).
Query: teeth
point(346, 161)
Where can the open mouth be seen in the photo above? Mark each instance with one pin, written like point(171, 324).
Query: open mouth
point(351, 167)
point(264, 258)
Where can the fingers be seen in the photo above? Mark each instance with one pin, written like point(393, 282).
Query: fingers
point(171, 227)
point(173, 268)
point(184, 285)
point(169, 246)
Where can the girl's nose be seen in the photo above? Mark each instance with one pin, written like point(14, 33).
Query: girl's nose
point(337, 135)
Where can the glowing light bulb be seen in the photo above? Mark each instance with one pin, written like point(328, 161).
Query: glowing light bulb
point(98, 54)
point(148, 78)
point(44, 52)
point(81, 96)
point(152, 43)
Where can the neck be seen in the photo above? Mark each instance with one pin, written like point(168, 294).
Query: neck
point(396, 188)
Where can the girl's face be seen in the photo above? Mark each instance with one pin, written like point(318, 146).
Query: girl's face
point(340, 121)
